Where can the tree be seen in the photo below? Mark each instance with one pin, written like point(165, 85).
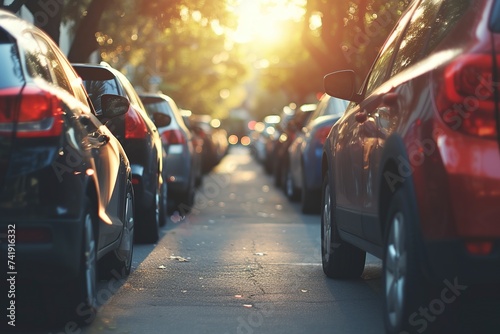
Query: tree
point(348, 34)
point(47, 14)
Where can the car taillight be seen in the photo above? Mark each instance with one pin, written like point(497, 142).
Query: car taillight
point(135, 127)
point(479, 247)
point(466, 99)
point(32, 113)
point(322, 133)
point(173, 137)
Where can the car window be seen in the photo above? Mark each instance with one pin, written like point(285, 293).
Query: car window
point(383, 62)
point(74, 80)
point(335, 107)
point(160, 106)
point(96, 88)
point(130, 91)
point(11, 67)
point(36, 62)
point(320, 110)
point(59, 77)
point(449, 14)
point(413, 43)
point(495, 17)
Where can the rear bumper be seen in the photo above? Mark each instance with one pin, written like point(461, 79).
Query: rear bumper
point(178, 171)
point(449, 260)
point(56, 260)
point(143, 194)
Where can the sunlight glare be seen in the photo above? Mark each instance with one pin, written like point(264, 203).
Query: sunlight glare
point(263, 20)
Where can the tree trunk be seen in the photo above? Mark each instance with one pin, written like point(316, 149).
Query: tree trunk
point(85, 42)
point(47, 15)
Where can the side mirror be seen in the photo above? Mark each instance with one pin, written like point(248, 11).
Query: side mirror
point(161, 119)
point(342, 84)
point(113, 106)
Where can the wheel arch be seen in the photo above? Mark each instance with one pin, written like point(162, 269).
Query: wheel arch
point(393, 176)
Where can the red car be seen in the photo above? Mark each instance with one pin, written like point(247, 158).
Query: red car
point(411, 172)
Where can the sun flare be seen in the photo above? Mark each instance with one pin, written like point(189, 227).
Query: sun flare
point(263, 20)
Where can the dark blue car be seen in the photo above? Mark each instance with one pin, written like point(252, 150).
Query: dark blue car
point(303, 179)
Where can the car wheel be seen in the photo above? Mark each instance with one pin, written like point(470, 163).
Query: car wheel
point(404, 285)
point(118, 263)
point(84, 301)
point(163, 204)
point(339, 259)
point(291, 191)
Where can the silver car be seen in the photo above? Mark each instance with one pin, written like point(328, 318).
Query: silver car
point(181, 167)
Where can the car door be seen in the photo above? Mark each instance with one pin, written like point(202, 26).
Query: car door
point(104, 149)
point(346, 171)
point(357, 140)
point(393, 100)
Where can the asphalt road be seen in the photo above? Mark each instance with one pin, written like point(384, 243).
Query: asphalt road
point(245, 260)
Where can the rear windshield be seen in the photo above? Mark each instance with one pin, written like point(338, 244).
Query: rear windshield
point(96, 88)
point(160, 106)
point(12, 74)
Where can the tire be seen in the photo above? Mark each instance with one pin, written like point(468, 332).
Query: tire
point(405, 287)
point(83, 298)
point(163, 204)
point(310, 201)
point(339, 259)
point(118, 262)
point(149, 229)
point(291, 191)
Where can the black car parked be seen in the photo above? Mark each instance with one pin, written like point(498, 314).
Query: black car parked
point(66, 196)
point(140, 139)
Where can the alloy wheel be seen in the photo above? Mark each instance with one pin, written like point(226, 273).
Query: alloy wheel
point(396, 269)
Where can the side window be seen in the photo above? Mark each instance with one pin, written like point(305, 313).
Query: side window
point(130, 91)
point(321, 107)
point(56, 69)
point(74, 81)
point(449, 14)
point(36, 62)
point(413, 43)
point(383, 61)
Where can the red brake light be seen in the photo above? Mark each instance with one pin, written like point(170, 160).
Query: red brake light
point(466, 99)
point(479, 247)
point(322, 133)
point(39, 113)
point(135, 127)
point(173, 137)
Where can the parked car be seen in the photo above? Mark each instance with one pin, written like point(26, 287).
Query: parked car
point(141, 141)
point(215, 140)
point(260, 138)
point(183, 168)
point(66, 196)
point(412, 169)
point(290, 128)
point(198, 146)
point(303, 178)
